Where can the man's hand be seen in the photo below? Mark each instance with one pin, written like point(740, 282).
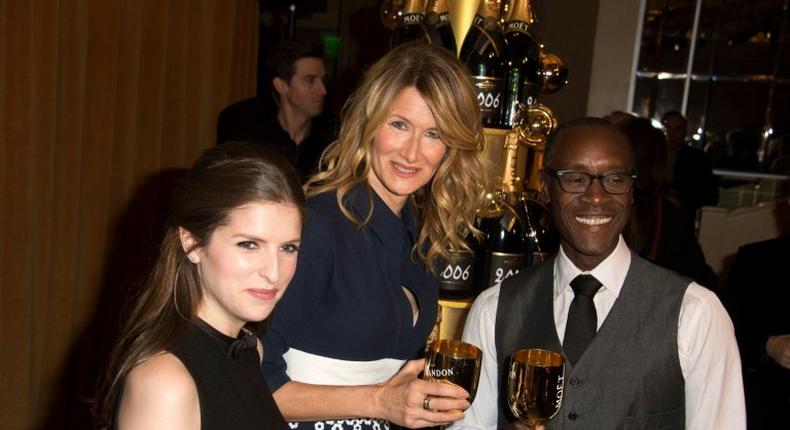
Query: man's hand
point(778, 348)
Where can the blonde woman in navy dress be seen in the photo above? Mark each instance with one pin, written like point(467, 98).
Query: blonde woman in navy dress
point(396, 190)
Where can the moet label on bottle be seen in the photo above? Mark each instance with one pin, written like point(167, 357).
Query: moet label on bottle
point(489, 96)
point(412, 18)
point(503, 266)
point(458, 276)
point(519, 26)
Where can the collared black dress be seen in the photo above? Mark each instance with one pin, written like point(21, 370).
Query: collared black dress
point(231, 390)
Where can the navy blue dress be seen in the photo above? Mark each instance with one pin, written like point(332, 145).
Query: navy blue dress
point(345, 319)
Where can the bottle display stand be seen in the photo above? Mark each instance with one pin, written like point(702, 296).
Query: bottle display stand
point(454, 311)
point(509, 69)
point(453, 316)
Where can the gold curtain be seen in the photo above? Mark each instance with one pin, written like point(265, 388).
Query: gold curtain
point(99, 102)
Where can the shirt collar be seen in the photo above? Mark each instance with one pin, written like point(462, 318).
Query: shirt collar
point(610, 272)
point(383, 223)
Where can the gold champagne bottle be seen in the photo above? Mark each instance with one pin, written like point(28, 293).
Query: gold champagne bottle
point(544, 239)
point(505, 245)
point(533, 130)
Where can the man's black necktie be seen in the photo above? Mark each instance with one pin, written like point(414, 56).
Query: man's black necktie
point(582, 318)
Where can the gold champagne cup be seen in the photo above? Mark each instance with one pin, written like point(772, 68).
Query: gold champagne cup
point(454, 362)
point(535, 385)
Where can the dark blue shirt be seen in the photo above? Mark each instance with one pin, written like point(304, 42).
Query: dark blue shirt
point(345, 301)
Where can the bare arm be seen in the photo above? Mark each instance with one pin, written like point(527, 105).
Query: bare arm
point(399, 400)
point(159, 394)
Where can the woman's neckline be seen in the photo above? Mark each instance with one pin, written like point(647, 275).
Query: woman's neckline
point(213, 332)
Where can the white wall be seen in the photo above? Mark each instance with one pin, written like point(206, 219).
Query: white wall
point(614, 55)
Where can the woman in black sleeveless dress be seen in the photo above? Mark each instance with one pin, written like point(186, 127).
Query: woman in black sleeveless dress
point(185, 358)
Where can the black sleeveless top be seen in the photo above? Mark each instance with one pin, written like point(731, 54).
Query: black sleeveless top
point(231, 389)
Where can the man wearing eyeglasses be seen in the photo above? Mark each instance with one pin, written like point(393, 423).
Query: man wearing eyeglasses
point(644, 347)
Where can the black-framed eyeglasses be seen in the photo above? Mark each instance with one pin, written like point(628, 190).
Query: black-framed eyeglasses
point(575, 182)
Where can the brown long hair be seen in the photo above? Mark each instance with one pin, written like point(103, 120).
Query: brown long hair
point(447, 204)
point(223, 178)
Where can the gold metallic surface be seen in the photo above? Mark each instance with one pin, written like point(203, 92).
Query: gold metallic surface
point(454, 362)
point(535, 385)
point(554, 73)
point(462, 13)
point(535, 125)
point(456, 349)
point(538, 357)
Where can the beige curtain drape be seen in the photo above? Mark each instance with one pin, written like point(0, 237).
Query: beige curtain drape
point(99, 102)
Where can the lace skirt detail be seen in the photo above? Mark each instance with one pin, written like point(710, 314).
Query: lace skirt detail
point(351, 424)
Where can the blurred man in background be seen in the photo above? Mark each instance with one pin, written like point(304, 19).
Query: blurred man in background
point(692, 171)
point(292, 125)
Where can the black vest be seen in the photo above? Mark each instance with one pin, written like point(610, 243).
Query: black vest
point(629, 376)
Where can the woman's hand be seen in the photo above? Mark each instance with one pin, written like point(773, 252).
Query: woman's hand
point(402, 398)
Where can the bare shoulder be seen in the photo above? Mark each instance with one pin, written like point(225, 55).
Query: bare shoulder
point(159, 393)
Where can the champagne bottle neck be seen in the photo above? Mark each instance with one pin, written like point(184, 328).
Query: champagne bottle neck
point(520, 11)
point(438, 7)
point(413, 7)
point(511, 182)
point(488, 9)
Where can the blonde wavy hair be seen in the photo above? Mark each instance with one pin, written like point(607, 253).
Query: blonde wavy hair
point(447, 204)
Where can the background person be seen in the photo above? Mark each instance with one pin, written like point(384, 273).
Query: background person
point(644, 347)
point(756, 295)
point(294, 127)
point(227, 257)
point(692, 170)
point(657, 229)
point(619, 118)
point(396, 190)
point(742, 145)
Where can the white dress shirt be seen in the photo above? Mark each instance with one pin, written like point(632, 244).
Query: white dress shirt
point(707, 349)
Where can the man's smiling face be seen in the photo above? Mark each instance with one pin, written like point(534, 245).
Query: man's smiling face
point(590, 223)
